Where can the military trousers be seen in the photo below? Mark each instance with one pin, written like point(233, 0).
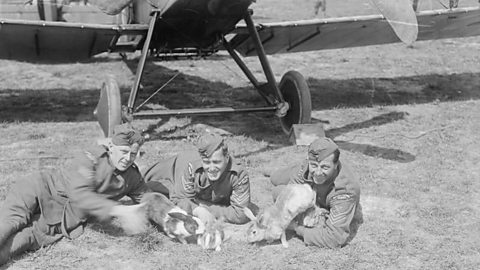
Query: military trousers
point(22, 225)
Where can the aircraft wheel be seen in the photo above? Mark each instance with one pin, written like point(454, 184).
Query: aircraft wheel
point(109, 107)
point(296, 93)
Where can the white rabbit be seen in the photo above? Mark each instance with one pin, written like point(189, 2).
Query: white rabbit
point(173, 220)
point(271, 222)
point(214, 235)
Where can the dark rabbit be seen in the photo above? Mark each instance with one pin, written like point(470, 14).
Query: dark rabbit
point(173, 220)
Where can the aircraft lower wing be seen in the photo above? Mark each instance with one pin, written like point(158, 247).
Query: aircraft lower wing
point(45, 41)
point(62, 42)
point(320, 34)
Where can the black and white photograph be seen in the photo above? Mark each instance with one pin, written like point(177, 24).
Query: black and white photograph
point(239, 134)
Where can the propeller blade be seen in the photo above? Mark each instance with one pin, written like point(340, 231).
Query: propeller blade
point(401, 17)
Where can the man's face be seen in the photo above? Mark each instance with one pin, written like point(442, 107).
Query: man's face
point(215, 165)
point(122, 156)
point(322, 171)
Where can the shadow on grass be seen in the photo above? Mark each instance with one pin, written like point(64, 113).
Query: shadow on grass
point(376, 151)
point(194, 92)
point(371, 150)
point(364, 92)
point(275, 243)
point(55, 105)
point(106, 227)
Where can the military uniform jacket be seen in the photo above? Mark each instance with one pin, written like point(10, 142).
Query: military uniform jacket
point(90, 186)
point(95, 185)
point(340, 197)
point(189, 186)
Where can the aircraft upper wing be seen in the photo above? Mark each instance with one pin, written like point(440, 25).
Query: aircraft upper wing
point(320, 34)
point(61, 41)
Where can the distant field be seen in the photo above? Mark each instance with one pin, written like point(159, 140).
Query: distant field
point(406, 118)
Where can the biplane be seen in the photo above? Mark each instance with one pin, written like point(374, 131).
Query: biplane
point(69, 31)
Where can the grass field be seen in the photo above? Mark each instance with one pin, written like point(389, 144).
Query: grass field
point(406, 118)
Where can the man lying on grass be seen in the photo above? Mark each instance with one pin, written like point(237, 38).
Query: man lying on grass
point(41, 209)
point(207, 183)
point(335, 219)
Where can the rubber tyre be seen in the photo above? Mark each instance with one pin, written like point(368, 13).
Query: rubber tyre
point(109, 107)
point(296, 93)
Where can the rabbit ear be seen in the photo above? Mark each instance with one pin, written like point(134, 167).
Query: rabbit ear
point(249, 214)
point(201, 226)
point(177, 215)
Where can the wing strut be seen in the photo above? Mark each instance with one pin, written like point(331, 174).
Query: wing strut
point(260, 88)
point(262, 56)
point(141, 63)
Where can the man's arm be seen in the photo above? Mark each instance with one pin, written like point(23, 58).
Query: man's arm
point(298, 173)
point(84, 195)
point(332, 233)
point(239, 199)
point(83, 188)
point(292, 174)
point(184, 190)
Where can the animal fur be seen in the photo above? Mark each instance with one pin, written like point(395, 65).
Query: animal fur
point(173, 220)
point(271, 222)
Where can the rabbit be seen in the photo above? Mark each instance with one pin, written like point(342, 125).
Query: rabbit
point(312, 217)
point(214, 235)
point(271, 222)
point(174, 221)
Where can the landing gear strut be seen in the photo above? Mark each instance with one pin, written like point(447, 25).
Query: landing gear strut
point(289, 100)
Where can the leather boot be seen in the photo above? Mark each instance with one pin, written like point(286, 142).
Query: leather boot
point(6, 230)
point(17, 244)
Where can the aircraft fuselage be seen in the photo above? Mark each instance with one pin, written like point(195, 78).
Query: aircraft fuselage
point(196, 24)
